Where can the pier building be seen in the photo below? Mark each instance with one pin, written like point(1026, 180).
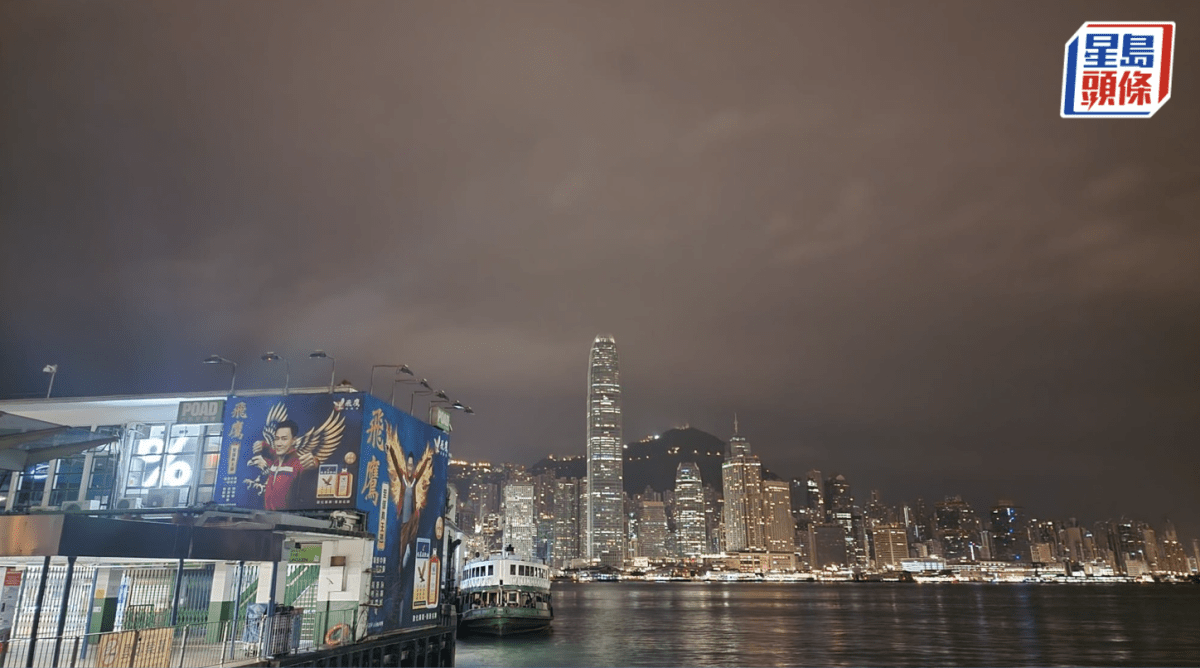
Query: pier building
point(200, 529)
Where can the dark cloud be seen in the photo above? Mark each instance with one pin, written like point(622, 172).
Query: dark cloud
point(862, 226)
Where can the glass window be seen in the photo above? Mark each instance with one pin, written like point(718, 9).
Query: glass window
point(33, 483)
point(67, 480)
point(104, 473)
point(160, 459)
point(6, 479)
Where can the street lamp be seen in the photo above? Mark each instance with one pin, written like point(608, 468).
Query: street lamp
point(443, 400)
point(51, 369)
point(217, 359)
point(413, 397)
point(400, 368)
point(403, 370)
point(320, 355)
point(287, 378)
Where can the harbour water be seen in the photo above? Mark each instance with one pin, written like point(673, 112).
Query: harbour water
point(857, 624)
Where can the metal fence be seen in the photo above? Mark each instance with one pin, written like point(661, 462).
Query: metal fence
point(192, 645)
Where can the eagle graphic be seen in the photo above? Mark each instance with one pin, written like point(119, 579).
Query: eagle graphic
point(312, 449)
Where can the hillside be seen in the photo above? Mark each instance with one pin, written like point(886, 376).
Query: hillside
point(652, 462)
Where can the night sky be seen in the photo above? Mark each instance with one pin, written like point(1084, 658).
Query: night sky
point(862, 226)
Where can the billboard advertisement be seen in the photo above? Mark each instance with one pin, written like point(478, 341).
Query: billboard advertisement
point(290, 452)
point(403, 493)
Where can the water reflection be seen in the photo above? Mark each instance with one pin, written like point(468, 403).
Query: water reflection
point(765, 624)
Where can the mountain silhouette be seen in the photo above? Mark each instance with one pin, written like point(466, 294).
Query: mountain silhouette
point(651, 462)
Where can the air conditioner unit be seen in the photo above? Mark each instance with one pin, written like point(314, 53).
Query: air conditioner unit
point(90, 504)
point(167, 497)
point(129, 503)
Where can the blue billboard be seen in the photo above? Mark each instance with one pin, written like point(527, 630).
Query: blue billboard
point(349, 450)
point(290, 452)
point(403, 493)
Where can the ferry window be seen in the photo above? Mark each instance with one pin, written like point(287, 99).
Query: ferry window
point(490, 570)
point(512, 569)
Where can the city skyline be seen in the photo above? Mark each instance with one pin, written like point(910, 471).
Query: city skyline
point(837, 528)
point(835, 492)
point(917, 273)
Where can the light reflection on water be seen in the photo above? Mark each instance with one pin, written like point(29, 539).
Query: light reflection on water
point(849, 624)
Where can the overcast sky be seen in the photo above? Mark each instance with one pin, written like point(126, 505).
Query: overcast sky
point(862, 226)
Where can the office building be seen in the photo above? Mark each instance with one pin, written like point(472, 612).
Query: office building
point(777, 516)
point(605, 495)
point(690, 532)
point(741, 475)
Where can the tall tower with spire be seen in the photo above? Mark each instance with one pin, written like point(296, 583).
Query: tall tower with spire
point(741, 477)
point(605, 495)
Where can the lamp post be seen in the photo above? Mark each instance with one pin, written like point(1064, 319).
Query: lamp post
point(400, 368)
point(401, 371)
point(321, 355)
point(413, 397)
point(217, 359)
point(51, 369)
point(287, 378)
point(456, 405)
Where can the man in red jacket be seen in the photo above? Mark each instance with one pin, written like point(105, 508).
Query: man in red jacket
point(283, 466)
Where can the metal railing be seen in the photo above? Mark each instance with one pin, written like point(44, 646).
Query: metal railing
point(197, 645)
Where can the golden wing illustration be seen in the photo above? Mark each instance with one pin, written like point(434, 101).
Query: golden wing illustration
point(277, 414)
point(422, 477)
point(395, 463)
point(320, 442)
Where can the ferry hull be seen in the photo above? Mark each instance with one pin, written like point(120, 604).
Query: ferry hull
point(503, 621)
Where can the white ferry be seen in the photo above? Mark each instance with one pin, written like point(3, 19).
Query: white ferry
point(504, 594)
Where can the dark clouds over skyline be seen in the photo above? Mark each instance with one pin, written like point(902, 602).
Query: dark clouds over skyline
point(861, 226)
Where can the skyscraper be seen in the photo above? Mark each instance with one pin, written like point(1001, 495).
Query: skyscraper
point(566, 520)
point(652, 530)
point(958, 528)
point(1010, 532)
point(891, 546)
point(741, 476)
point(780, 529)
point(690, 529)
point(519, 523)
point(605, 496)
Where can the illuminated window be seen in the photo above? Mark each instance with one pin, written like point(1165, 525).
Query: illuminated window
point(33, 483)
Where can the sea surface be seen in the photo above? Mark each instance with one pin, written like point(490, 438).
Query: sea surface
point(856, 624)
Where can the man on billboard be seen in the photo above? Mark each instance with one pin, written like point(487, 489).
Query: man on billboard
point(283, 455)
point(410, 488)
